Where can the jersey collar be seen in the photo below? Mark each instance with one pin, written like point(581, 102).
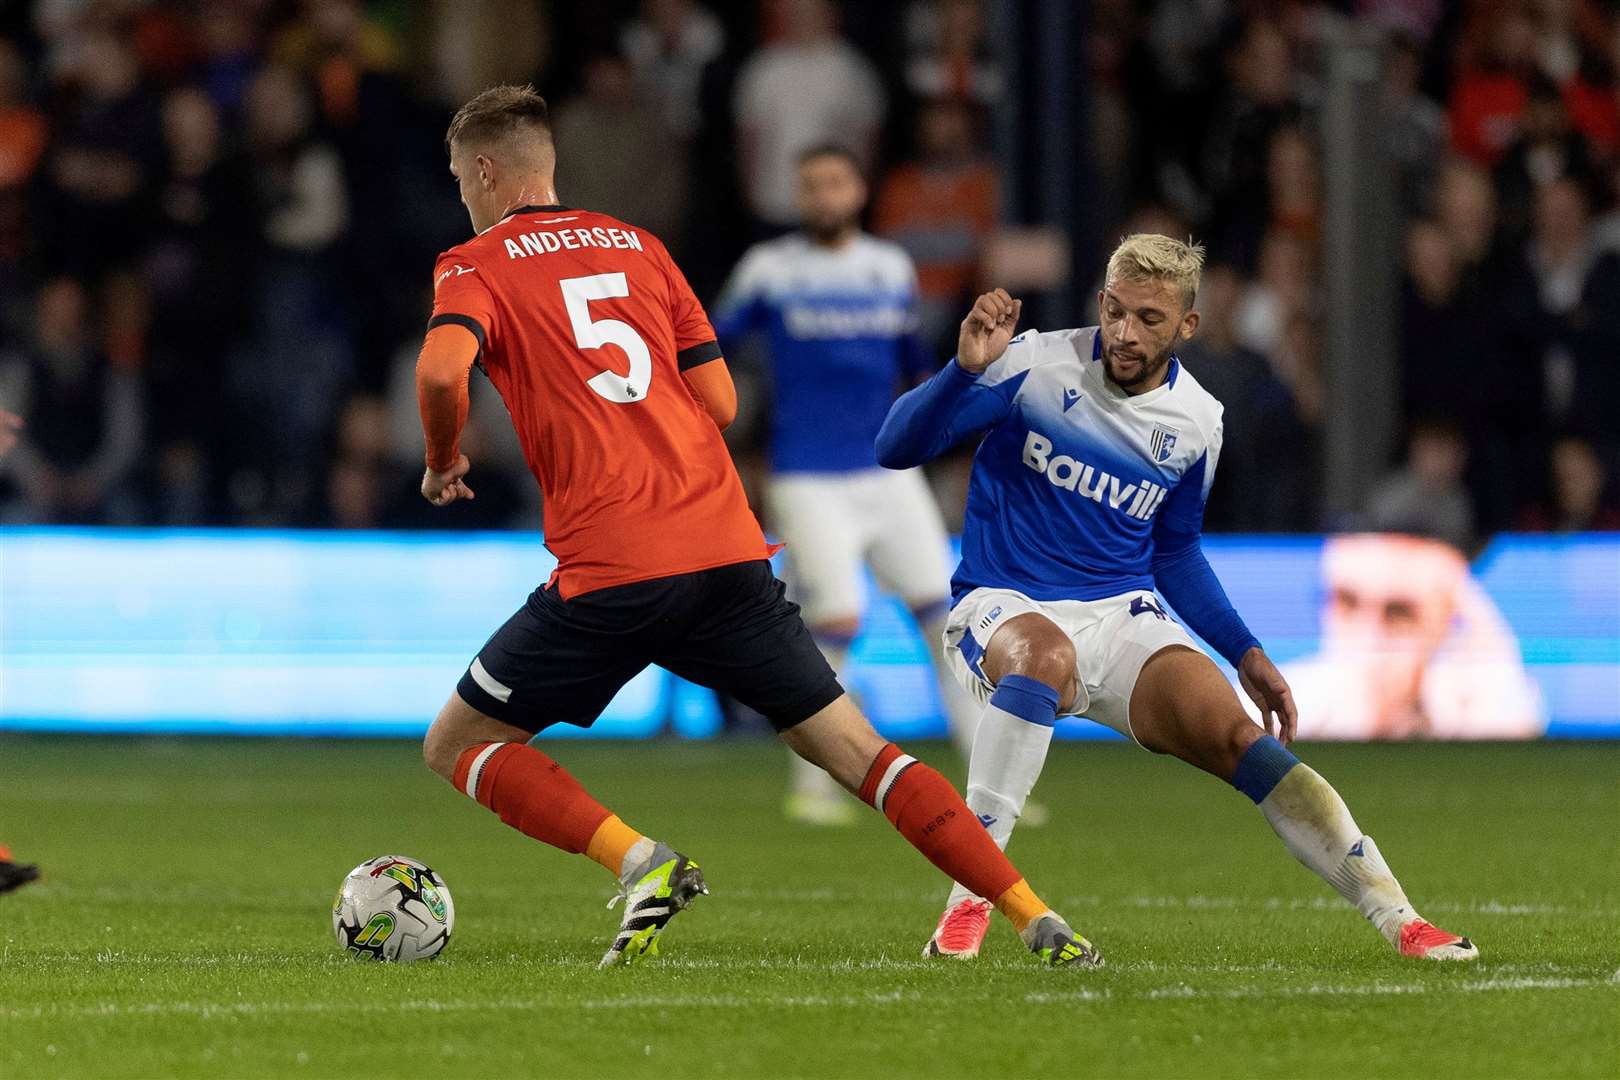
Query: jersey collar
point(535, 210)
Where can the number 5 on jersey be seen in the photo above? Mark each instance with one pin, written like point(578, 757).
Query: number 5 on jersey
point(577, 296)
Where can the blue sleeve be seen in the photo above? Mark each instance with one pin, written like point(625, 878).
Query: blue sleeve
point(1185, 578)
point(927, 421)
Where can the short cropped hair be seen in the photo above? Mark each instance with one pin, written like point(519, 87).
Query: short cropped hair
point(499, 112)
point(832, 150)
point(1148, 257)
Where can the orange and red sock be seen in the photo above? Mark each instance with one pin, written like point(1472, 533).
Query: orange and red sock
point(929, 813)
point(538, 797)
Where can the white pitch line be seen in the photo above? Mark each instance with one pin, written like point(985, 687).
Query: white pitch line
point(1183, 992)
point(1198, 902)
point(586, 967)
point(1179, 992)
point(191, 893)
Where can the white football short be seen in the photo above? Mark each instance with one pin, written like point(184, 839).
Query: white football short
point(833, 523)
point(1112, 639)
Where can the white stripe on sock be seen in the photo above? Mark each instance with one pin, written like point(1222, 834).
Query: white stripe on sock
point(478, 766)
point(889, 776)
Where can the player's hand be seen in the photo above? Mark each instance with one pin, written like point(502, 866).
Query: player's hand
point(1264, 683)
point(987, 330)
point(444, 488)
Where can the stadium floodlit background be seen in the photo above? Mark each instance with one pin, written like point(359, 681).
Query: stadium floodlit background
point(218, 222)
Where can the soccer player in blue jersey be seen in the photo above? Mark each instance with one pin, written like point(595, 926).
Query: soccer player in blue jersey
point(836, 308)
point(1088, 494)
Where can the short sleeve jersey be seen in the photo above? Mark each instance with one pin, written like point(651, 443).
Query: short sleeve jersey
point(584, 325)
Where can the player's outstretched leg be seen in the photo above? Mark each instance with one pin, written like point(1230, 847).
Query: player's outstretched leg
point(14, 875)
point(492, 763)
point(1032, 663)
point(927, 811)
point(1182, 705)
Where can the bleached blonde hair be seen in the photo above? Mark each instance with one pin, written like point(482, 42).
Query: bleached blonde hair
point(1146, 257)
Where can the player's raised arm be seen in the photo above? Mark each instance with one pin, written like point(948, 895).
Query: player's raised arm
point(442, 371)
point(960, 399)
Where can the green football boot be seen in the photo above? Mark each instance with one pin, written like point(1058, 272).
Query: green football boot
point(668, 883)
point(1056, 943)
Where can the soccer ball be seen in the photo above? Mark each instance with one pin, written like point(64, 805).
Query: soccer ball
point(393, 908)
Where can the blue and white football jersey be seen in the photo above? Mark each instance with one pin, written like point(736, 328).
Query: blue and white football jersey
point(1080, 491)
point(1077, 483)
point(840, 327)
point(1077, 459)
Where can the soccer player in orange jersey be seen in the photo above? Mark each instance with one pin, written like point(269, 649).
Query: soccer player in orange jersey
point(617, 389)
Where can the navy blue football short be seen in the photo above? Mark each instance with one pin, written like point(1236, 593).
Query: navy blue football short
point(729, 628)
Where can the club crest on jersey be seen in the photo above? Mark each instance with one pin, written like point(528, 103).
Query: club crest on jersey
point(1162, 442)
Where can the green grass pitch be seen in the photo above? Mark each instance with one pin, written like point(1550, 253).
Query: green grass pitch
point(183, 928)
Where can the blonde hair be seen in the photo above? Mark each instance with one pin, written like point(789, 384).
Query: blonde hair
point(499, 112)
point(1146, 257)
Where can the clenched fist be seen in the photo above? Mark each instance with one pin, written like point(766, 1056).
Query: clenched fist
point(987, 330)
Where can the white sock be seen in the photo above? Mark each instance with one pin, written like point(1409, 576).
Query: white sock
point(962, 712)
point(1316, 826)
point(1009, 750)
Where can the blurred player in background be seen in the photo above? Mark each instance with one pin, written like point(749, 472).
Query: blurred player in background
point(616, 386)
point(1411, 648)
point(837, 308)
point(12, 873)
point(1086, 495)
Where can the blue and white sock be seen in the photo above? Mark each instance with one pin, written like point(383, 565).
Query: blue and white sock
point(1316, 826)
point(1009, 750)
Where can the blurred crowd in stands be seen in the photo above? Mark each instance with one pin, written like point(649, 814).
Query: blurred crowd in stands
point(218, 222)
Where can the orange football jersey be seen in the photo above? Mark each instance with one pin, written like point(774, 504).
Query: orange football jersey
point(584, 325)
